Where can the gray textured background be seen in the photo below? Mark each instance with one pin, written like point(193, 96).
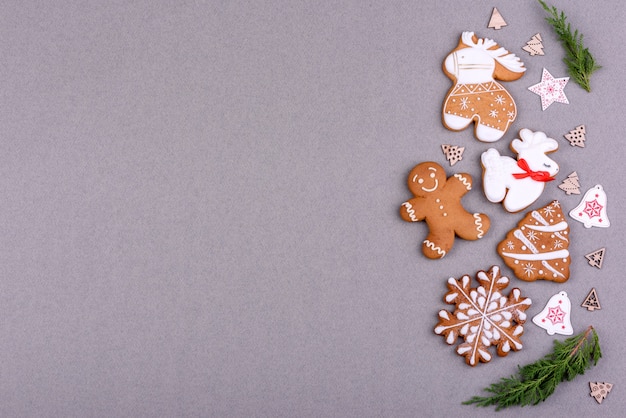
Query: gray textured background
point(200, 207)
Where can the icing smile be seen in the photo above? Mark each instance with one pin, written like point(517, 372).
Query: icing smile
point(432, 175)
point(432, 189)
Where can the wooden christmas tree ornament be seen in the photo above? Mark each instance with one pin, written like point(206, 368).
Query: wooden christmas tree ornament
point(591, 301)
point(534, 46)
point(596, 257)
point(496, 21)
point(600, 390)
point(571, 185)
point(453, 153)
point(577, 137)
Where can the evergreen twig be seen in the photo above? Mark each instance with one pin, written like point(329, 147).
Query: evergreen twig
point(535, 382)
point(579, 61)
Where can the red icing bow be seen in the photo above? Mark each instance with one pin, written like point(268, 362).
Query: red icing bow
point(535, 175)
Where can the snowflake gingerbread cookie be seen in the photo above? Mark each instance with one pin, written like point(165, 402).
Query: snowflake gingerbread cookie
point(476, 96)
point(483, 317)
point(538, 247)
point(437, 201)
point(519, 183)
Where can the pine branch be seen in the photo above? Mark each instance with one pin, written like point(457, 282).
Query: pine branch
point(535, 382)
point(579, 61)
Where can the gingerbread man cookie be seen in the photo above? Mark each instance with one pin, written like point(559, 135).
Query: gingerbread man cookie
point(437, 201)
point(473, 66)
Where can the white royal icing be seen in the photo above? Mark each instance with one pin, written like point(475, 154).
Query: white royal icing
point(561, 226)
point(463, 180)
point(479, 225)
point(433, 247)
point(410, 211)
point(550, 255)
point(499, 184)
point(543, 221)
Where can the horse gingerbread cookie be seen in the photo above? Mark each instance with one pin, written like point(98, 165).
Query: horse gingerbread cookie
point(519, 183)
point(437, 201)
point(473, 66)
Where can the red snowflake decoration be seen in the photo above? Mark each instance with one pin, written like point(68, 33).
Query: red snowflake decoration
point(593, 208)
point(556, 315)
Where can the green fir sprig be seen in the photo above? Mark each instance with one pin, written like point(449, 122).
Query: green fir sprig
point(579, 61)
point(535, 382)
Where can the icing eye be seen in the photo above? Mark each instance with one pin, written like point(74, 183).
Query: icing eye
point(547, 165)
point(432, 175)
point(420, 181)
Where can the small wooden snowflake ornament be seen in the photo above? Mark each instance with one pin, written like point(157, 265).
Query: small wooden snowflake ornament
point(591, 301)
point(600, 390)
point(596, 257)
point(496, 21)
point(576, 137)
point(534, 46)
point(571, 184)
point(453, 153)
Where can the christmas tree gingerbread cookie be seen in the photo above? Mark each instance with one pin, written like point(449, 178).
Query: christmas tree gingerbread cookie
point(437, 201)
point(474, 66)
point(519, 183)
point(538, 247)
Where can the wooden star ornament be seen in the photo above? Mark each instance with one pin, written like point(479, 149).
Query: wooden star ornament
point(550, 89)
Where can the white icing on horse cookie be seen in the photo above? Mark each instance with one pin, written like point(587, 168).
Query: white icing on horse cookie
point(519, 183)
point(473, 66)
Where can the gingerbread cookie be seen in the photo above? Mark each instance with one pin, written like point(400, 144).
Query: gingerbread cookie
point(538, 247)
point(473, 66)
point(437, 201)
point(483, 316)
point(519, 183)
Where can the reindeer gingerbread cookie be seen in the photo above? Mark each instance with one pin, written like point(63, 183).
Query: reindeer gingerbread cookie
point(519, 183)
point(437, 201)
point(473, 66)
